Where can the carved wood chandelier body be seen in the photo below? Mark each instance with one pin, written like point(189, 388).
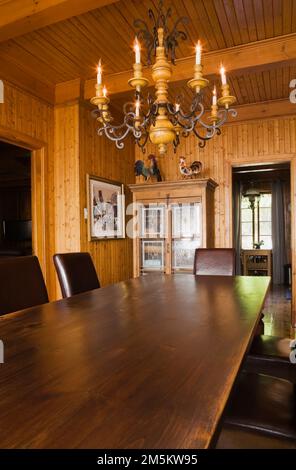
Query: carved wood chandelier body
point(157, 118)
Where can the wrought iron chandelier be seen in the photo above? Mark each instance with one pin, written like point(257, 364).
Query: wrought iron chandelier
point(160, 120)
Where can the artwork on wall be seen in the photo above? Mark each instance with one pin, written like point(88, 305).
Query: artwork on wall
point(106, 209)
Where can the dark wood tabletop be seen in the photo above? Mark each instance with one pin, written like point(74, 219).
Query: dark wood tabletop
point(147, 363)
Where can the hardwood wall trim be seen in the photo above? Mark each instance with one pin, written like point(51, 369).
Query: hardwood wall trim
point(261, 141)
point(28, 122)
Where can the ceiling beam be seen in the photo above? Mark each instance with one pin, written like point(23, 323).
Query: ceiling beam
point(263, 110)
point(19, 17)
point(16, 76)
point(256, 54)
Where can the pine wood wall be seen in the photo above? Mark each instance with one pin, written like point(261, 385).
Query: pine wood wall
point(99, 157)
point(261, 141)
point(270, 140)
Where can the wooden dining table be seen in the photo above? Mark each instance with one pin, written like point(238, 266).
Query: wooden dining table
point(147, 363)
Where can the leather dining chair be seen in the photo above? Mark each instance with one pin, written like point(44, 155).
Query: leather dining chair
point(76, 273)
point(214, 262)
point(260, 413)
point(21, 284)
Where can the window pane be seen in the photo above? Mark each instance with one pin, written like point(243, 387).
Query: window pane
point(246, 215)
point(265, 214)
point(247, 228)
point(267, 243)
point(265, 200)
point(186, 220)
point(245, 203)
point(265, 229)
point(247, 243)
point(183, 253)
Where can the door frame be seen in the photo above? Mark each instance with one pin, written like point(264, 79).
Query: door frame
point(38, 150)
point(271, 159)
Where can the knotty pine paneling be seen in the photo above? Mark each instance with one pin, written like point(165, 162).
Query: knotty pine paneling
point(66, 177)
point(99, 157)
point(253, 142)
point(28, 121)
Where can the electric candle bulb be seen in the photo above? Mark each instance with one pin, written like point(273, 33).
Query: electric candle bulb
point(177, 107)
point(223, 75)
point(214, 96)
point(99, 75)
point(105, 92)
point(198, 53)
point(137, 50)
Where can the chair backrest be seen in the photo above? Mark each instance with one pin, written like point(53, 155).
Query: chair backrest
point(21, 284)
point(214, 262)
point(76, 273)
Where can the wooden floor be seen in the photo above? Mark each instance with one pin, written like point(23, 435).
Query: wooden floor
point(277, 312)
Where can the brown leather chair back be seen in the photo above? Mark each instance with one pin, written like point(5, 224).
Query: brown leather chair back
point(21, 284)
point(214, 262)
point(76, 273)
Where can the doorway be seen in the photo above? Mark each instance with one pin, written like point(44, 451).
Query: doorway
point(15, 201)
point(262, 235)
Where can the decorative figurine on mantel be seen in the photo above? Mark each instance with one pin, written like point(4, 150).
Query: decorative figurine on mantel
point(148, 172)
point(189, 171)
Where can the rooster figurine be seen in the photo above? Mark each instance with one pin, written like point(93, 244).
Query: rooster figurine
point(191, 170)
point(148, 172)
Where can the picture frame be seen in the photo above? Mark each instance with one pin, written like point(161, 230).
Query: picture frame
point(106, 209)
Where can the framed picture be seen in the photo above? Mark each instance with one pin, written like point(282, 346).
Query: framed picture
point(106, 209)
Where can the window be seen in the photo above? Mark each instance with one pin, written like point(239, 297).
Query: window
point(256, 222)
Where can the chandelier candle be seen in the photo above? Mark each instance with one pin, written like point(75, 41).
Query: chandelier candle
point(198, 53)
point(162, 121)
point(223, 75)
point(137, 50)
point(99, 75)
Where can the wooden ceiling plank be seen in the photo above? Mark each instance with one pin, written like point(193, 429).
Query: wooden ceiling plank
point(204, 19)
point(110, 56)
point(227, 32)
point(267, 84)
point(241, 19)
point(287, 16)
point(259, 19)
point(261, 87)
point(250, 18)
point(278, 17)
point(232, 19)
point(18, 17)
point(255, 89)
point(28, 62)
point(201, 31)
point(218, 32)
point(258, 54)
point(268, 18)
